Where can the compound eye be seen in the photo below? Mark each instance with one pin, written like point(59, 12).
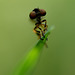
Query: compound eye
point(42, 12)
point(32, 15)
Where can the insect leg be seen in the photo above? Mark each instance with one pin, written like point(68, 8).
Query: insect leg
point(37, 24)
point(42, 32)
point(45, 25)
point(37, 32)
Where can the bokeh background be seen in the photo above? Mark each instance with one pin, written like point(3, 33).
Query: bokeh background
point(17, 37)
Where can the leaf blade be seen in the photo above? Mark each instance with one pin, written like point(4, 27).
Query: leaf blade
point(30, 60)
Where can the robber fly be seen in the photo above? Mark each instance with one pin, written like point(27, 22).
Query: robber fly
point(40, 25)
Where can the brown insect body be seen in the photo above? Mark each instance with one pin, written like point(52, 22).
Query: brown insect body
point(37, 14)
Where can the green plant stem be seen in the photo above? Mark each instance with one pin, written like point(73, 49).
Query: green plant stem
point(29, 61)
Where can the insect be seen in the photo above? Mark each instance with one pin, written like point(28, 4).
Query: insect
point(40, 25)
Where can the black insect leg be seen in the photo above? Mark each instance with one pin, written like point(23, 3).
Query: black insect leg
point(45, 25)
point(42, 32)
point(37, 32)
point(37, 24)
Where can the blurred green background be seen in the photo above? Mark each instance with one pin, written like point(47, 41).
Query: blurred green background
point(17, 37)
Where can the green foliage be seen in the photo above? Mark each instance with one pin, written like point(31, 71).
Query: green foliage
point(28, 63)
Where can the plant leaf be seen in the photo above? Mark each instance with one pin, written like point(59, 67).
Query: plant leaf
point(28, 63)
